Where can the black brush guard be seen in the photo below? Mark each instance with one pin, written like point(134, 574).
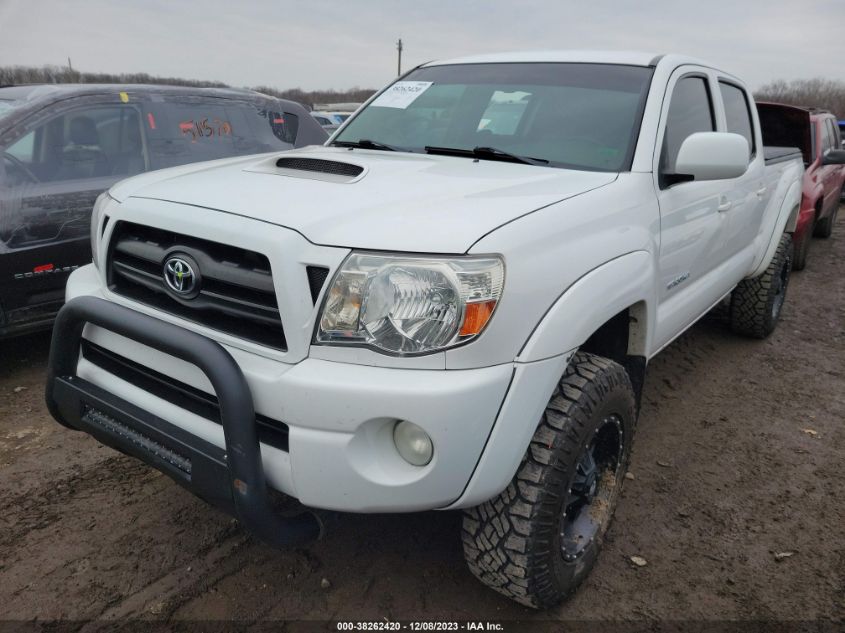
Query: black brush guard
point(231, 479)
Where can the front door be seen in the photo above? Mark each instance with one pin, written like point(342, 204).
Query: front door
point(691, 213)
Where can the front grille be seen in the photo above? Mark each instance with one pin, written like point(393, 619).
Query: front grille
point(333, 167)
point(236, 293)
point(184, 396)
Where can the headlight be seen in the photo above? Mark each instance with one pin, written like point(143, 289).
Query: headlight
point(96, 215)
point(410, 305)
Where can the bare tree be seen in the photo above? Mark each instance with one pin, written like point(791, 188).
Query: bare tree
point(827, 94)
point(15, 75)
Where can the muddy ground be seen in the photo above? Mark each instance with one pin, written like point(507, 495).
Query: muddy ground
point(738, 458)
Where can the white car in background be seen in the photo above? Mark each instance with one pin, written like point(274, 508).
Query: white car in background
point(330, 120)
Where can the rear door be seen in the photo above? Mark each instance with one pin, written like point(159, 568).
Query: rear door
point(747, 195)
point(56, 166)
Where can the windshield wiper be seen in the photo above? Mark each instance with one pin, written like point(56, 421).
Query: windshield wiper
point(483, 152)
point(489, 153)
point(365, 143)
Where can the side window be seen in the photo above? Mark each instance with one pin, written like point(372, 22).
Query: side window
point(834, 134)
point(285, 126)
point(738, 113)
point(23, 148)
point(80, 144)
point(690, 111)
point(827, 139)
point(189, 128)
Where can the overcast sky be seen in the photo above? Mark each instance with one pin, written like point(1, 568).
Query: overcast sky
point(335, 44)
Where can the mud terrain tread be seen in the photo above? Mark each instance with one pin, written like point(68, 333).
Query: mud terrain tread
point(752, 299)
point(500, 547)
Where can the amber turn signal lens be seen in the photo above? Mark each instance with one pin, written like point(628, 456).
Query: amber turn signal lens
point(476, 316)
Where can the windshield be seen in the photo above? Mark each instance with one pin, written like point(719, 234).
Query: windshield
point(579, 116)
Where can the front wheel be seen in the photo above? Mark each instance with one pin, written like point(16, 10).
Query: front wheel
point(539, 538)
point(756, 303)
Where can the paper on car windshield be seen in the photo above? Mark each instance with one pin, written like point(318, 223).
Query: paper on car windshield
point(401, 94)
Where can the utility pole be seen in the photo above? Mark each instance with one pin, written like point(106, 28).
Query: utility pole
point(399, 48)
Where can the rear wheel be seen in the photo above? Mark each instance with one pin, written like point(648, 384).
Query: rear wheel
point(756, 303)
point(801, 247)
point(539, 538)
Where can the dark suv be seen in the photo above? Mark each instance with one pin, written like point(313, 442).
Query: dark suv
point(63, 145)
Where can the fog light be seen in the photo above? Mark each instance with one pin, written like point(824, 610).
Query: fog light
point(413, 444)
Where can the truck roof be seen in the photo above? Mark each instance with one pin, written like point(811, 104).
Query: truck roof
point(627, 58)
point(36, 92)
point(632, 58)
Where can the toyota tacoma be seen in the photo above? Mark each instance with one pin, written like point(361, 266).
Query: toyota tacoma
point(449, 305)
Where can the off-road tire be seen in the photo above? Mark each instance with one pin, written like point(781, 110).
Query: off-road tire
point(824, 227)
point(512, 543)
point(756, 303)
point(801, 248)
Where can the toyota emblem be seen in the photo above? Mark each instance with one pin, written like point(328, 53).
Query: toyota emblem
point(180, 276)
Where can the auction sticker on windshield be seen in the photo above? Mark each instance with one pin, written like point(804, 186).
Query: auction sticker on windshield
point(401, 94)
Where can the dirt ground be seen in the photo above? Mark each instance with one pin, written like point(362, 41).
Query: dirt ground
point(738, 458)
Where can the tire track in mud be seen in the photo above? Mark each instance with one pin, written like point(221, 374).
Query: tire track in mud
point(39, 509)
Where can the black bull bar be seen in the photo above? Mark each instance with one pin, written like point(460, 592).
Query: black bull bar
point(231, 479)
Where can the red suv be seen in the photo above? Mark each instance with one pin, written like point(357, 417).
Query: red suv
point(817, 134)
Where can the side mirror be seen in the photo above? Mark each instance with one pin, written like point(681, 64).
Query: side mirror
point(834, 157)
point(713, 156)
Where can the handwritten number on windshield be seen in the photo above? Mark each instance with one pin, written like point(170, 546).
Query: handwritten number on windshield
point(204, 129)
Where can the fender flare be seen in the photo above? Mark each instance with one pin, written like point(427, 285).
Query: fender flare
point(577, 313)
point(592, 300)
point(786, 222)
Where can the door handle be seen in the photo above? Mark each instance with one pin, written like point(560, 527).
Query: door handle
point(761, 192)
point(724, 204)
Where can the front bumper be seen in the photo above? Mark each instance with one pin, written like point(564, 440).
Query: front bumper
point(232, 479)
point(338, 417)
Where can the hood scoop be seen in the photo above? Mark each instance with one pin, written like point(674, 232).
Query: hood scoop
point(311, 168)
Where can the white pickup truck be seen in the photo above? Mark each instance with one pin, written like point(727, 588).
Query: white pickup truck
point(450, 305)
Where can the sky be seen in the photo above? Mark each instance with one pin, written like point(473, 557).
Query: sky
point(332, 44)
